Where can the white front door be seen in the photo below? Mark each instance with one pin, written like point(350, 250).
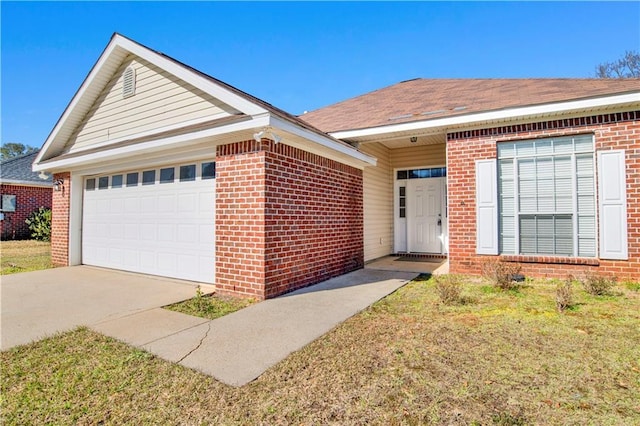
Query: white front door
point(424, 215)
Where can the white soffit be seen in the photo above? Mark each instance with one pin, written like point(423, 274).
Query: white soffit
point(494, 116)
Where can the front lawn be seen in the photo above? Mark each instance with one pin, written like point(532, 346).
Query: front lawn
point(501, 357)
point(24, 255)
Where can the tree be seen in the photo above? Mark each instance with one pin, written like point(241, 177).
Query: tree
point(626, 67)
point(13, 149)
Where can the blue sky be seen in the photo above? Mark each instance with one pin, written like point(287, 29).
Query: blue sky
point(302, 56)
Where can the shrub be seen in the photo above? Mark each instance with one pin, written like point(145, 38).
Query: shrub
point(449, 288)
point(564, 294)
point(39, 223)
point(504, 275)
point(598, 285)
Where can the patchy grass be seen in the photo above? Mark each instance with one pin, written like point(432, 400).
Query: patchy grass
point(210, 306)
point(505, 358)
point(24, 255)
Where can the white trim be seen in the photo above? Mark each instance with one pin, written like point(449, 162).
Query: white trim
point(397, 183)
point(42, 184)
point(150, 146)
point(504, 114)
point(75, 219)
point(325, 142)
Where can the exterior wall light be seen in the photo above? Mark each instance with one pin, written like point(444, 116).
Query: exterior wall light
point(57, 184)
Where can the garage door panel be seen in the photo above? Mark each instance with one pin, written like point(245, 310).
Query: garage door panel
point(166, 229)
point(207, 234)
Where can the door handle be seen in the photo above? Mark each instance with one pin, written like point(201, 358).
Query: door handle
point(439, 222)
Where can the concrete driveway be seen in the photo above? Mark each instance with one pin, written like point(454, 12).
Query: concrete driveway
point(234, 349)
point(37, 304)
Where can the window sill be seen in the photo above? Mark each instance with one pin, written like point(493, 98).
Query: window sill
point(590, 261)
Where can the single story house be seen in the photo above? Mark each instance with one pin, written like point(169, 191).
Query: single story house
point(22, 192)
point(168, 171)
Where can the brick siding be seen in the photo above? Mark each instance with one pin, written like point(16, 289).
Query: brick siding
point(28, 200)
point(612, 131)
point(60, 221)
point(285, 219)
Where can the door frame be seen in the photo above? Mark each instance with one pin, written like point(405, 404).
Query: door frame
point(400, 225)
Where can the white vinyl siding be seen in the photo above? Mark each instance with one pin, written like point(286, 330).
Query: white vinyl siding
point(546, 192)
point(378, 205)
point(418, 156)
point(160, 100)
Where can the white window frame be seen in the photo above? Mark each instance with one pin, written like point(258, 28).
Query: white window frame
point(574, 186)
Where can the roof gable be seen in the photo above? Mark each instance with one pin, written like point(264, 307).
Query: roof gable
point(160, 100)
point(119, 50)
point(58, 151)
point(427, 99)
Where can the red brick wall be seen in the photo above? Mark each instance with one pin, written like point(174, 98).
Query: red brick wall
point(285, 219)
point(240, 230)
point(612, 131)
point(28, 200)
point(60, 221)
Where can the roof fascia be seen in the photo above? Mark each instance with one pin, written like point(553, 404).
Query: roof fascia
point(461, 120)
point(149, 146)
point(326, 142)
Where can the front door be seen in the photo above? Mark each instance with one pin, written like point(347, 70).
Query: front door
point(424, 216)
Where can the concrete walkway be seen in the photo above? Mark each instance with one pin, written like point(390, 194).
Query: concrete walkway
point(234, 349)
point(239, 347)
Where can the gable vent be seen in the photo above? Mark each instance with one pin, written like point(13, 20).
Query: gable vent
point(129, 82)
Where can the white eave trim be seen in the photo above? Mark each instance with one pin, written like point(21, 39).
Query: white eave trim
point(505, 114)
point(323, 141)
point(149, 146)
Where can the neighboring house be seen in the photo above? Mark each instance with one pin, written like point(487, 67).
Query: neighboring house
point(168, 171)
point(21, 193)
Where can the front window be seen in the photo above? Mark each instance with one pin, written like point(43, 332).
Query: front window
point(547, 197)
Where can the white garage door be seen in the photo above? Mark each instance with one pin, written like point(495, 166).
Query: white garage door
point(154, 221)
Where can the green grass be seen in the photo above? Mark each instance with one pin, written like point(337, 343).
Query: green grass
point(24, 255)
point(210, 306)
point(504, 358)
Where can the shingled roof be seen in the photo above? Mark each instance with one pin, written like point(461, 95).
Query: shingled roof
point(18, 170)
point(424, 99)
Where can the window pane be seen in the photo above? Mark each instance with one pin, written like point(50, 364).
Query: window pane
point(208, 170)
point(103, 182)
point(402, 191)
point(148, 177)
point(167, 175)
point(187, 173)
point(402, 174)
point(402, 212)
point(116, 181)
point(90, 184)
point(132, 179)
